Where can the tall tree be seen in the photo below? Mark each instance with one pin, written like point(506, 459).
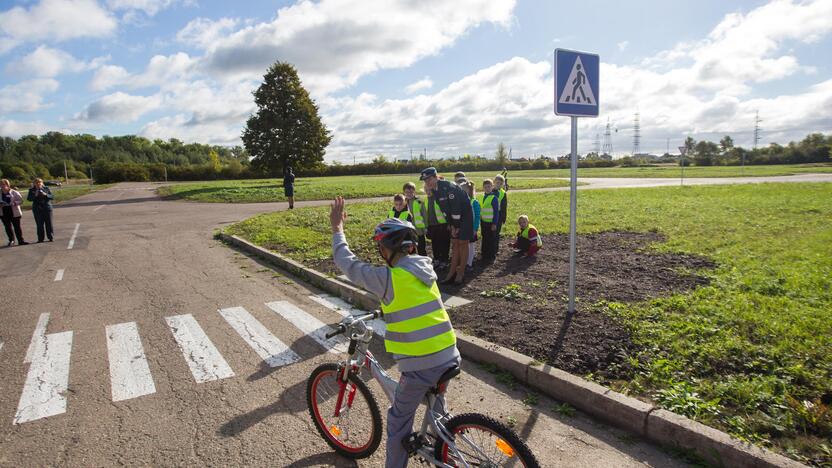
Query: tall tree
point(502, 154)
point(286, 130)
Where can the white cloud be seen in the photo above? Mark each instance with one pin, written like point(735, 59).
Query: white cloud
point(149, 7)
point(162, 71)
point(202, 32)
point(15, 129)
point(335, 42)
point(107, 77)
point(118, 107)
point(424, 83)
point(56, 20)
point(27, 96)
point(623, 45)
point(48, 62)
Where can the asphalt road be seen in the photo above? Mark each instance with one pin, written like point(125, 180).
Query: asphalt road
point(109, 385)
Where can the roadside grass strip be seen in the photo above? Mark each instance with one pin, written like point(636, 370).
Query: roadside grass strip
point(129, 372)
point(44, 393)
point(310, 326)
point(273, 351)
point(204, 360)
point(749, 353)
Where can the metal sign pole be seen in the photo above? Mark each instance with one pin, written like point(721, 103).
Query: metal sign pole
point(573, 211)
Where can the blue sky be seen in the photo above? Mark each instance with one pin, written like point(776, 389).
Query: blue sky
point(453, 77)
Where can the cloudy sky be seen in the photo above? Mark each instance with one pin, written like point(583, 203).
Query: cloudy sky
point(394, 76)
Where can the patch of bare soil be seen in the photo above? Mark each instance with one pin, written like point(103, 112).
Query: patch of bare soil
point(521, 303)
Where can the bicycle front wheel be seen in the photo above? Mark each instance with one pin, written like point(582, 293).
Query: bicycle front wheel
point(353, 429)
point(483, 441)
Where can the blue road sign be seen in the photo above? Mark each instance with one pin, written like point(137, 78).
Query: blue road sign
point(576, 83)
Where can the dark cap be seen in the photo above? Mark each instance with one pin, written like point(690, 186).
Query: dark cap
point(427, 173)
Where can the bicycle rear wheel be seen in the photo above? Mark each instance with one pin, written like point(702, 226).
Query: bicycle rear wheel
point(483, 441)
point(356, 431)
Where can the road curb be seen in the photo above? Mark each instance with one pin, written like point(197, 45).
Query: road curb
point(654, 424)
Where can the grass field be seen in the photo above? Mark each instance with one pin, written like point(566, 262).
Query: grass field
point(65, 193)
point(319, 188)
point(750, 354)
point(322, 188)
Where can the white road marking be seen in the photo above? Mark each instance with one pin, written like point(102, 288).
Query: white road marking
point(37, 337)
point(129, 373)
point(1, 345)
point(261, 340)
point(98, 208)
point(44, 393)
point(72, 239)
point(310, 325)
point(205, 362)
point(59, 275)
point(344, 308)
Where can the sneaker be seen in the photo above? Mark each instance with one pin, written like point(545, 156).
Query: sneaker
point(11, 243)
point(23, 243)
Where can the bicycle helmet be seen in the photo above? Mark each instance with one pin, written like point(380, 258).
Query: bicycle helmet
point(396, 235)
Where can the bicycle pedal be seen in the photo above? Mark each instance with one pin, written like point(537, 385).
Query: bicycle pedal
point(413, 443)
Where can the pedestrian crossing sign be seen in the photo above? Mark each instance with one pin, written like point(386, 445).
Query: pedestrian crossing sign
point(576, 83)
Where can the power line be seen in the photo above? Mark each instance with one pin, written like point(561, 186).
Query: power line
point(608, 139)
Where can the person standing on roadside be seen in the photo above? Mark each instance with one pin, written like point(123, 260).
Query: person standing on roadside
point(11, 201)
point(456, 206)
point(439, 233)
point(289, 186)
point(501, 186)
point(489, 220)
point(41, 198)
point(419, 211)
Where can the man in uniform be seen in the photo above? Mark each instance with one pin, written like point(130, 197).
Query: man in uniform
point(455, 204)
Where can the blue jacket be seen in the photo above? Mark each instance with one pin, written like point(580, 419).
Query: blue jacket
point(40, 202)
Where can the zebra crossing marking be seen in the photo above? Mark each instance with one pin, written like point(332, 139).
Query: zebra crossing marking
point(59, 275)
point(129, 372)
point(44, 392)
point(37, 337)
point(273, 351)
point(344, 308)
point(203, 358)
point(310, 325)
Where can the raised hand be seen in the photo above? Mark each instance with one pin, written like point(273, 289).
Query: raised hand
point(337, 214)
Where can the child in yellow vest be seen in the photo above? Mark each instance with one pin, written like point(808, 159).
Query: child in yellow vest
point(528, 240)
point(399, 210)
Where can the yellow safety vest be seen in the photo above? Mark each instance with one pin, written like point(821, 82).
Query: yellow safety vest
point(486, 210)
point(417, 323)
point(502, 196)
point(440, 216)
point(418, 220)
point(402, 216)
point(525, 234)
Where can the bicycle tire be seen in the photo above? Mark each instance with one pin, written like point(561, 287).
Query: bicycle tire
point(470, 421)
point(312, 389)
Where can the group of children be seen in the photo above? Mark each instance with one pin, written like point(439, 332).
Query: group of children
point(490, 210)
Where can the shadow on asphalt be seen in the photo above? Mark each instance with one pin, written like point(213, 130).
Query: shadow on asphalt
point(126, 201)
point(323, 459)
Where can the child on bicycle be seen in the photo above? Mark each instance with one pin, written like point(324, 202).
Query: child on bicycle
point(419, 332)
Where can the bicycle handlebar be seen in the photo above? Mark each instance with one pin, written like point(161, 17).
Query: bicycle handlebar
point(342, 328)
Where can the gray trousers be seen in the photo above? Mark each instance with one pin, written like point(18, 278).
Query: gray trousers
point(409, 395)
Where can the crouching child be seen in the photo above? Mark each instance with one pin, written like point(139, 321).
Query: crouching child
point(528, 240)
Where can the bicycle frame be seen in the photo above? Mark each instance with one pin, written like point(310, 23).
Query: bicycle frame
point(436, 414)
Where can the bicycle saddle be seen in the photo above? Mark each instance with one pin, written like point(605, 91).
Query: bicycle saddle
point(442, 384)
